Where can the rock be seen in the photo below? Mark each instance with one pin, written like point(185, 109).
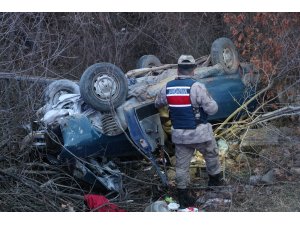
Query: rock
point(265, 136)
point(269, 177)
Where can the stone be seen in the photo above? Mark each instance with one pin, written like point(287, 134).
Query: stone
point(265, 136)
point(269, 177)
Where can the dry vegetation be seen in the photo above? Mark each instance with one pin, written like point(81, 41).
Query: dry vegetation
point(63, 45)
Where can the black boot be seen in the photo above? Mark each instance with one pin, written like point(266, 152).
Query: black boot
point(216, 180)
point(185, 200)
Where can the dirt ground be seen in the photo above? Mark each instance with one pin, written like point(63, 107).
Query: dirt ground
point(260, 178)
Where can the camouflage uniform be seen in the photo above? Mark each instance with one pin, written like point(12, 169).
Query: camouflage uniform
point(201, 138)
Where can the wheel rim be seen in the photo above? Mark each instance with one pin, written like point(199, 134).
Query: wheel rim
point(105, 86)
point(228, 57)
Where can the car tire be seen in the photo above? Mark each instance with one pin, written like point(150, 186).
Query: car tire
point(148, 61)
point(103, 86)
point(224, 52)
point(57, 88)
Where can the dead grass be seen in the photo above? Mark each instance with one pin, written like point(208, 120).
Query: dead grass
point(283, 197)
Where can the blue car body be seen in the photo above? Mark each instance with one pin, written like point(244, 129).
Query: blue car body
point(83, 143)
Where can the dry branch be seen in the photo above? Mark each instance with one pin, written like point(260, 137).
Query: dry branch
point(286, 111)
point(137, 72)
point(242, 107)
point(204, 60)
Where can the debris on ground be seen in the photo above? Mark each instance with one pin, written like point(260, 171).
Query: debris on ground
point(215, 200)
point(163, 206)
point(158, 206)
point(98, 203)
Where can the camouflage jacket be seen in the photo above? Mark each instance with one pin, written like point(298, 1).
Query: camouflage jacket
point(199, 98)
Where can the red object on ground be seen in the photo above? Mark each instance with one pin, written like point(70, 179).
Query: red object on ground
point(99, 203)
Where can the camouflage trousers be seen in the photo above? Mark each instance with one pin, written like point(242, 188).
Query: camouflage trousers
point(184, 154)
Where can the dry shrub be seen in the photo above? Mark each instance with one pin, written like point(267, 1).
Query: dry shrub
point(65, 44)
point(271, 41)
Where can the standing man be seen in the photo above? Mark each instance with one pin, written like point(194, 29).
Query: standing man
point(189, 105)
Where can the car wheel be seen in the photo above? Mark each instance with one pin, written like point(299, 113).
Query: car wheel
point(57, 88)
point(224, 52)
point(148, 61)
point(103, 85)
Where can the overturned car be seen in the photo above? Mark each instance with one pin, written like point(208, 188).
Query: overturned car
point(111, 115)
